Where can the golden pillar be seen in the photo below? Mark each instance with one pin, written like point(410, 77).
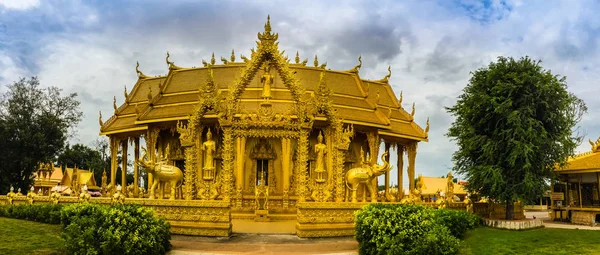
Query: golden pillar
point(227, 164)
point(136, 167)
point(412, 155)
point(373, 139)
point(151, 137)
point(400, 164)
point(240, 150)
point(114, 148)
point(189, 172)
point(301, 167)
point(124, 166)
point(199, 161)
point(286, 150)
point(387, 174)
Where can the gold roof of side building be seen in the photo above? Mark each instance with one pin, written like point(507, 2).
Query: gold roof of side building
point(587, 162)
point(175, 96)
point(435, 184)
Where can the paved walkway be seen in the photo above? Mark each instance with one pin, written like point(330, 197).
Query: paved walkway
point(262, 244)
point(548, 223)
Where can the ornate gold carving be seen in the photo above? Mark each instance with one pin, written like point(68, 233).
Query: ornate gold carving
point(100, 119)
point(596, 145)
point(227, 165)
point(244, 58)
point(412, 112)
point(365, 175)
point(386, 79)
point(301, 171)
point(297, 59)
point(115, 104)
point(267, 81)
point(232, 57)
point(212, 59)
point(172, 65)
point(224, 60)
point(316, 62)
point(427, 127)
point(400, 100)
point(209, 148)
point(267, 37)
point(186, 133)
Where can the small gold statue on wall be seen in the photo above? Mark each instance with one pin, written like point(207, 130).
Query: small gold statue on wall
point(209, 148)
point(365, 175)
point(267, 81)
point(321, 151)
point(31, 196)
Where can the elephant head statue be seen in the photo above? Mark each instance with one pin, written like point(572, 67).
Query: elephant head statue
point(161, 172)
point(365, 175)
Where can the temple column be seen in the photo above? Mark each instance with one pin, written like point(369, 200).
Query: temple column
point(373, 139)
point(412, 155)
point(301, 167)
point(151, 137)
point(400, 164)
point(227, 164)
point(136, 167)
point(198, 159)
point(114, 148)
point(387, 174)
point(124, 166)
point(240, 151)
point(285, 167)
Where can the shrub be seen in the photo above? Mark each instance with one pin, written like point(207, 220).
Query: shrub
point(123, 229)
point(45, 213)
point(402, 229)
point(458, 222)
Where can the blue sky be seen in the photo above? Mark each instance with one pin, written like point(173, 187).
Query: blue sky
point(90, 47)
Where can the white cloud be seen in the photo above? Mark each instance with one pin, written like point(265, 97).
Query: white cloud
point(20, 5)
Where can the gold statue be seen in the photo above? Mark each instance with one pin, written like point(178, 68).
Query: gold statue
point(209, 149)
point(441, 201)
point(31, 195)
point(365, 175)
point(84, 196)
point(104, 180)
point(596, 145)
point(11, 194)
point(118, 197)
point(450, 188)
point(321, 151)
point(267, 81)
point(469, 204)
point(161, 172)
point(55, 196)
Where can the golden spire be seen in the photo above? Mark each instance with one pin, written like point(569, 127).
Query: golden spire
point(224, 60)
point(137, 70)
point(316, 61)
point(267, 36)
point(100, 119)
point(297, 57)
point(427, 127)
point(212, 59)
point(115, 104)
point(412, 113)
point(232, 56)
point(355, 69)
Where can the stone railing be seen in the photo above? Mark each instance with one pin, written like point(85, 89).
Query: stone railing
point(326, 219)
point(187, 217)
point(514, 225)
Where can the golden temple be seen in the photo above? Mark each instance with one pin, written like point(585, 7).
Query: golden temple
point(266, 138)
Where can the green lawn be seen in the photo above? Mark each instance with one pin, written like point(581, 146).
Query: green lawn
point(28, 237)
point(538, 241)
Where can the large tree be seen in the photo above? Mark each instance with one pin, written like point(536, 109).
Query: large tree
point(515, 122)
point(34, 127)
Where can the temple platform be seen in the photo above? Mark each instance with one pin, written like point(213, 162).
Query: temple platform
point(271, 227)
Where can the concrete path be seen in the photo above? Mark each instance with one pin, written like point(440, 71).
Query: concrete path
point(548, 223)
point(262, 244)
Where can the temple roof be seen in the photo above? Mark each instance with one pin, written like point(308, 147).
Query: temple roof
point(584, 162)
point(433, 184)
point(176, 96)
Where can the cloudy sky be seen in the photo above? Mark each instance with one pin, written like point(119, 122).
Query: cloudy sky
point(90, 47)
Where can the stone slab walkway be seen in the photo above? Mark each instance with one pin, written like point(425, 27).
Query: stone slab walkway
point(262, 244)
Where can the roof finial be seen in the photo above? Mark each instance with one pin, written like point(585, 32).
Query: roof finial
point(212, 59)
point(100, 119)
point(115, 104)
point(266, 36)
point(297, 57)
point(232, 56)
point(427, 127)
point(316, 61)
point(204, 63)
point(125, 94)
point(224, 60)
point(137, 70)
point(400, 99)
point(412, 113)
point(355, 69)
point(167, 59)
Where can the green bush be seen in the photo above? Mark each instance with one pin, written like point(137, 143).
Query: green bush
point(45, 213)
point(123, 229)
point(458, 222)
point(402, 229)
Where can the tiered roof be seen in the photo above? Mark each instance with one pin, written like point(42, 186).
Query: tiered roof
point(175, 96)
point(587, 162)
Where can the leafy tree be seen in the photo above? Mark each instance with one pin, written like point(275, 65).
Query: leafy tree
point(34, 126)
point(514, 123)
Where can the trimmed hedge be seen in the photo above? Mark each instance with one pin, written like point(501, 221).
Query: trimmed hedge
point(410, 229)
point(97, 229)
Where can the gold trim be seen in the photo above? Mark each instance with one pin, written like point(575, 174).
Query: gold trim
point(404, 136)
point(401, 121)
point(175, 104)
point(181, 93)
point(124, 130)
point(162, 120)
point(126, 115)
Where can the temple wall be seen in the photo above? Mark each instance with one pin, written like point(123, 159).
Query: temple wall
point(187, 217)
point(583, 218)
point(326, 219)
